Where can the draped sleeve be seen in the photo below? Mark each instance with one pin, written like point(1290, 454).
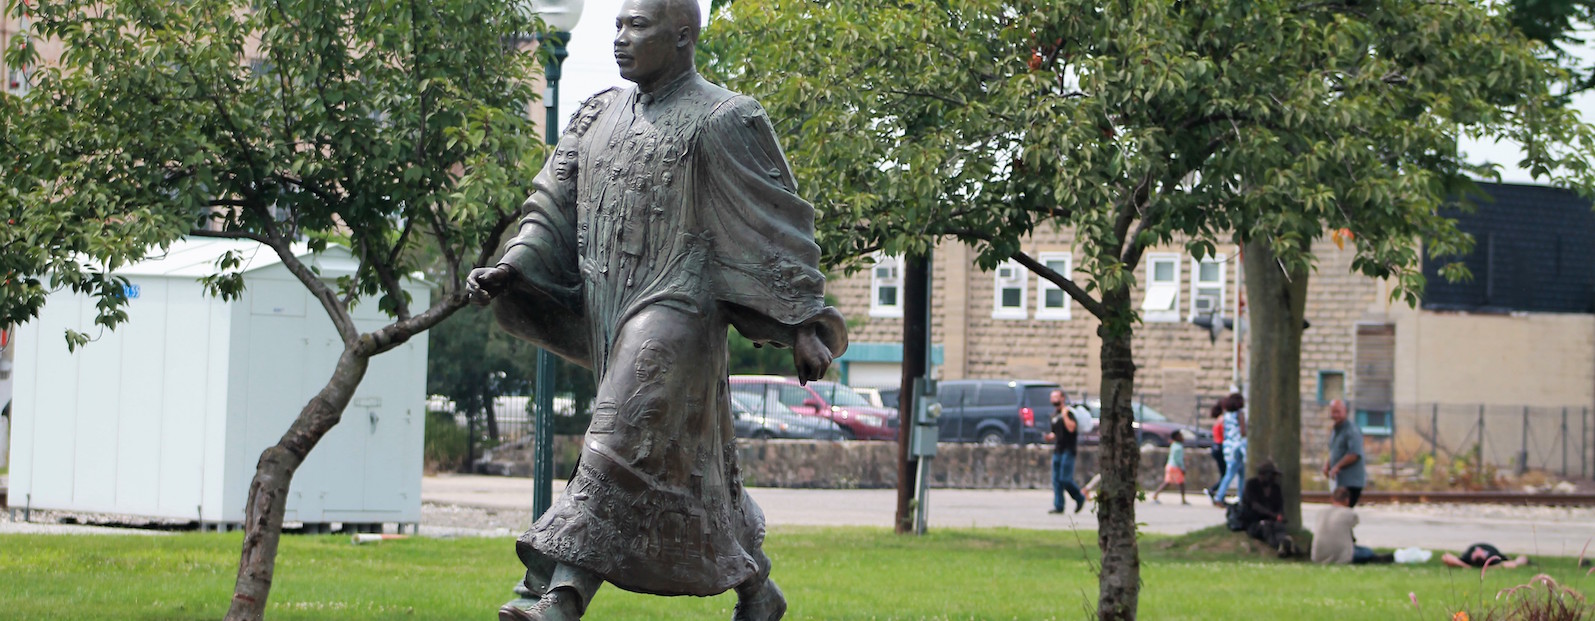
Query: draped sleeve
point(766, 264)
point(545, 305)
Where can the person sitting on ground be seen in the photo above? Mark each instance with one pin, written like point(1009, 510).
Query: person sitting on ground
point(1263, 510)
point(1482, 555)
point(1333, 541)
point(1174, 472)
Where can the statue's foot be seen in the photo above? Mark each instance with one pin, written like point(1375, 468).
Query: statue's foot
point(765, 603)
point(557, 605)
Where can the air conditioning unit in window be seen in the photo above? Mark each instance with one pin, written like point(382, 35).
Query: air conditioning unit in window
point(1206, 304)
point(1007, 272)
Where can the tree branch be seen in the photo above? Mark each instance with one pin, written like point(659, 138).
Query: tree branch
point(937, 96)
point(390, 281)
point(229, 235)
point(1091, 305)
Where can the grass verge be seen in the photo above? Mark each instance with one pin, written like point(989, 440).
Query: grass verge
point(837, 573)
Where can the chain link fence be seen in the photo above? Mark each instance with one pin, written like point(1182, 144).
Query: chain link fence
point(1472, 441)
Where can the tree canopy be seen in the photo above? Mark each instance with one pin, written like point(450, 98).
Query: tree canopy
point(395, 129)
point(1141, 125)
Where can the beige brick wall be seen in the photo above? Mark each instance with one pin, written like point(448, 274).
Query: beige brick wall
point(1530, 359)
point(1540, 359)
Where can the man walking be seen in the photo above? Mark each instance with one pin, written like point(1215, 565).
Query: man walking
point(1064, 435)
point(1345, 466)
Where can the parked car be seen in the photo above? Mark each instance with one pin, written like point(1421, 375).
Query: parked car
point(994, 412)
point(754, 416)
point(828, 400)
point(1152, 427)
point(889, 397)
point(872, 395)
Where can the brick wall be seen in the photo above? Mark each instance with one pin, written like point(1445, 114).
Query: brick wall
point(873, 465)
point(1180, 371)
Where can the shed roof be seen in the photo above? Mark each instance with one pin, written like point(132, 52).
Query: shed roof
point(194, 257)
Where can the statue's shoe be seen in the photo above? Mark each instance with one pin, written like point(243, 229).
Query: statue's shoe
point(768, 604)
point(552, 607)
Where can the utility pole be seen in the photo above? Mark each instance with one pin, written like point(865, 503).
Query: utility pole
point(916, 364)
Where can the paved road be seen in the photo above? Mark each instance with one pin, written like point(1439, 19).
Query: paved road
point(1538, 530)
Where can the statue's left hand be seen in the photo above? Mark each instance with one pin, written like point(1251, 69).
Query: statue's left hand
point(810, 355)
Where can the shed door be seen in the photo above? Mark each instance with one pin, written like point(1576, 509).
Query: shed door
point(1376, 376)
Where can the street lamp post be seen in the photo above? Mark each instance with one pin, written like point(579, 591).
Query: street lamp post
point(562, 16)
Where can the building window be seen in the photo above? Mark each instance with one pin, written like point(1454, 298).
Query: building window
point(1051, 301)
point(886, 287)
point(1331, 386)
point(1207, 287)
point(1009, 296)
point(1162, 301)
point(1375, 422)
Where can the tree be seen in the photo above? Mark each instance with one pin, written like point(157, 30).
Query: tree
point(1556, 24)
point(374, 125)
point(1138, 125)
point(472, 363)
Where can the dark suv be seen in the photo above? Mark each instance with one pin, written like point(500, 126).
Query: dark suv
point(858, 419)
point(994, 412)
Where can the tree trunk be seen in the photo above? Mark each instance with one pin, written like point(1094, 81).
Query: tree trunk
point(1277, 306)
point(492, 418)
point(1120, 580)
point(916, 338)
point(268, 492)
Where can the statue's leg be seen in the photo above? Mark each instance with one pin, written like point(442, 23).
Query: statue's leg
point(759, 599)
point(539, 570)
point(570, 589)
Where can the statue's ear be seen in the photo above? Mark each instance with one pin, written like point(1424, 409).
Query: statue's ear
point(684, 37)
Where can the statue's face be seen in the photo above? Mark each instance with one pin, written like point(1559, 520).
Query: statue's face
point(565, 159)
point(645, 40)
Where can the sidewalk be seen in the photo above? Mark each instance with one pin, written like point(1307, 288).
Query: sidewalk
point(1518, 530)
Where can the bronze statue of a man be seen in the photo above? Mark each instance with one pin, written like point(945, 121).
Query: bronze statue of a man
point(667, 212)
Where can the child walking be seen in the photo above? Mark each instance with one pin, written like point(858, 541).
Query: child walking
point(1174, 472)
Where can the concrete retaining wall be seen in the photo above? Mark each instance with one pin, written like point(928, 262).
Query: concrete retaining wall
point(830, 465)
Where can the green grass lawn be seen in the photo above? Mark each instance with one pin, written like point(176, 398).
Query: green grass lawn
point(847, 573)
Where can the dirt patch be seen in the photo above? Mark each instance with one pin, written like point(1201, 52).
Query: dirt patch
point(1219, 542)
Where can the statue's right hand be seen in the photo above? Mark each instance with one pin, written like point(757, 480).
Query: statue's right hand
point(486, 282)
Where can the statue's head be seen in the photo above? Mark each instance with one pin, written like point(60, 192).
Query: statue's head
point(654, 39)
point(565, 154)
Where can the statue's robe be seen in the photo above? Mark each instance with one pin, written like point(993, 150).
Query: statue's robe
point(682, 217)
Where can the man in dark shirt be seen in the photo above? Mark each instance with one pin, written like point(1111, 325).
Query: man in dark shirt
point(1064, 435)
point(1263, 510)
point(1483, 555)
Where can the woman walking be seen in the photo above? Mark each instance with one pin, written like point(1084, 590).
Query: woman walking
point(1234, 447)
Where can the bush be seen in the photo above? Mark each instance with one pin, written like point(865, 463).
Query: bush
point(1527, 603)
point(446, 443)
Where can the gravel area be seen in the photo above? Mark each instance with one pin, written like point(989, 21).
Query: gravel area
point(1574, 515)
point(443, 520)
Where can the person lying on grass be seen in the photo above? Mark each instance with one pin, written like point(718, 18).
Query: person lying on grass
point(1482, 555)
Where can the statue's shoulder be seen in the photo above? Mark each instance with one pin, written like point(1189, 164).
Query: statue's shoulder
point(601, 99)
point(725, 109)
point(714, 101)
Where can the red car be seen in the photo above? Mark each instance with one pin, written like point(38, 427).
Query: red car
point(858, 419)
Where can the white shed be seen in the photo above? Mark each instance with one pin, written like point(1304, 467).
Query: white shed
point(166, 416)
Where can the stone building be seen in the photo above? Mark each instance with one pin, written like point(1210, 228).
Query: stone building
point(1490, 363)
